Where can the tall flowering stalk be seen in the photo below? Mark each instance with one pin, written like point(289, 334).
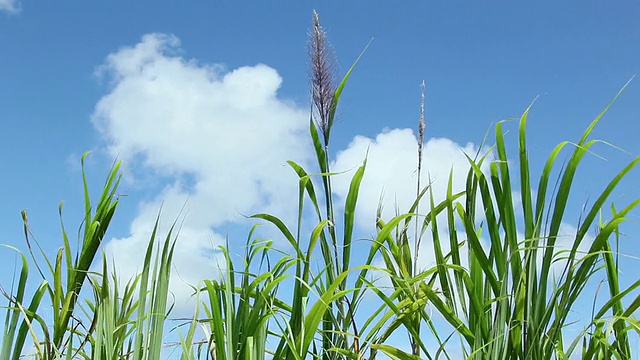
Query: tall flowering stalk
point(332, 315)
point(323, 91)
point(415, 347)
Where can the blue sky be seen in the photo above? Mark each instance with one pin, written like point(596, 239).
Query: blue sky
point(202, 99)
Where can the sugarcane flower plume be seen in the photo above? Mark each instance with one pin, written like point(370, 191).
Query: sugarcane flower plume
point(323, 63)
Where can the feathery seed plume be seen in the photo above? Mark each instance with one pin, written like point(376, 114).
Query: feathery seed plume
point(323, 87)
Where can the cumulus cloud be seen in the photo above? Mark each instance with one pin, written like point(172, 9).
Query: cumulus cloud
point(221, 138)
point(391, 171)
point(10, 6)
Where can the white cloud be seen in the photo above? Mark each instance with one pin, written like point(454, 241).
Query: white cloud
point(228, 132)
point(10, 6)
point(391, 171)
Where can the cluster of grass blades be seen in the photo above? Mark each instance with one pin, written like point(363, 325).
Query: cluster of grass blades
point(67, 277)
point(113, 325)
point(499, 288)
point(503, 300)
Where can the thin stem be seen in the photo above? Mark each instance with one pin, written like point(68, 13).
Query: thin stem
point(414, 343)
point(420, 141)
